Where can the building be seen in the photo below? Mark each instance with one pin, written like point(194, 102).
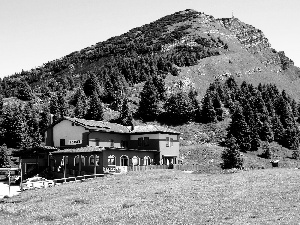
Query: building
point(88, 146)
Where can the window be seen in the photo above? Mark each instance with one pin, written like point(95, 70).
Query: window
point(112, 143)
point(92, 160)
point(140, 142)
point(167, 142)
point(147, 160)
point(146, 141)
point(97, 141)
point(111, 160)
point(124, 144)
point(67, 160)
point(135, 161)
point(171, 142)
point(76, 160)
point(62, 142)
point(124, 160)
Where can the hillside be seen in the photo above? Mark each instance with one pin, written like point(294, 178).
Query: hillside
point(185, 45)
point(163, 197)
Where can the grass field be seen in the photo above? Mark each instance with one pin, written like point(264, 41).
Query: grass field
point(268, 196)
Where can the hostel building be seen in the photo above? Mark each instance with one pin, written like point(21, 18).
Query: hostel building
point(88, 146)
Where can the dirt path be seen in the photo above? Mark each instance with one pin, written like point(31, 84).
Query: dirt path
point(4, 190)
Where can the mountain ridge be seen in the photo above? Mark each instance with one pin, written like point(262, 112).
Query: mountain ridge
point(190, 44)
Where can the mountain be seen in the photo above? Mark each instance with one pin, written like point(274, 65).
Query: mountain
point(189, 47)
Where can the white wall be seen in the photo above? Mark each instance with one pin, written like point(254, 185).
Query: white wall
point(104, 139)
point(65, 130)
point(171, 150)
point(137, 136)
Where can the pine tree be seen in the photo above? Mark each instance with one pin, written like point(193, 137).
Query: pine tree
point(278, 129)
point(179, 108)
point(45, 119)
point(80, 105)
point(255, 141)
point(1, 104)
point(4, 160)
point(149, 103)
point(54, 109)
point(239, 129)
point(195, 105)
point(32, 128)
point(15, 128)
point(231, 156)
point(125, 114)
point(92, 85)
point(24, 91)
point(291, 137)
point(159, 84)
point(284, 112)
point(266, 132)
point(95, 110)
point(294, 108)
point(62, 103)
point(208, 113)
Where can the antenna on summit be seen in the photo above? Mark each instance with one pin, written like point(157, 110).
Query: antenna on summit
point(232, 15)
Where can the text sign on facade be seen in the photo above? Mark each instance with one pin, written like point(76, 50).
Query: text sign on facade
point(75, 142)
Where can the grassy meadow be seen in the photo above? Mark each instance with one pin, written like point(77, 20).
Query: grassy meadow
point(269, 196)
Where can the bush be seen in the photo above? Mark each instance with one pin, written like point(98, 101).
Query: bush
point(267, 153)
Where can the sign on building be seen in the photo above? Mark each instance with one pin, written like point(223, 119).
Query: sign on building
point(75, 142)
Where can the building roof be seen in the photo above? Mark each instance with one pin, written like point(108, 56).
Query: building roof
point(118, 128)
point(153, 129)
point(92, 149)
point(99, 125)
point(80, 150)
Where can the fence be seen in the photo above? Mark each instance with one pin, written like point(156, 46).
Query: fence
point(155, 167)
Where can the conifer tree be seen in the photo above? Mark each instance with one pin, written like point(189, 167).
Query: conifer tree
point(266, 132)
point(179, 108)
point(217, 104)
point(62, 103)
point(15, 128)
point(80, 104)
point(195, 105)
point(149, 103)
point(277, 128)
point(125, 114)
point(255, 141)
point(54, 109)
point(1, 104)
point(284, 112)
point(208, 113)
point(4, 160)
point(294, 108)
point(239, 129)
point(159, 84)
point(95, 110)
point(32, 128)
point(231, 155)
point(45, 119)
point(291, 137)
point(24, 91)
point(92, 85)
point(80, 108)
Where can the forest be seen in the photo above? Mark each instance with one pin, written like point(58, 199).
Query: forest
point(259, 115)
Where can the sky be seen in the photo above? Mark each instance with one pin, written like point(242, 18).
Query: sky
point(33, 32)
